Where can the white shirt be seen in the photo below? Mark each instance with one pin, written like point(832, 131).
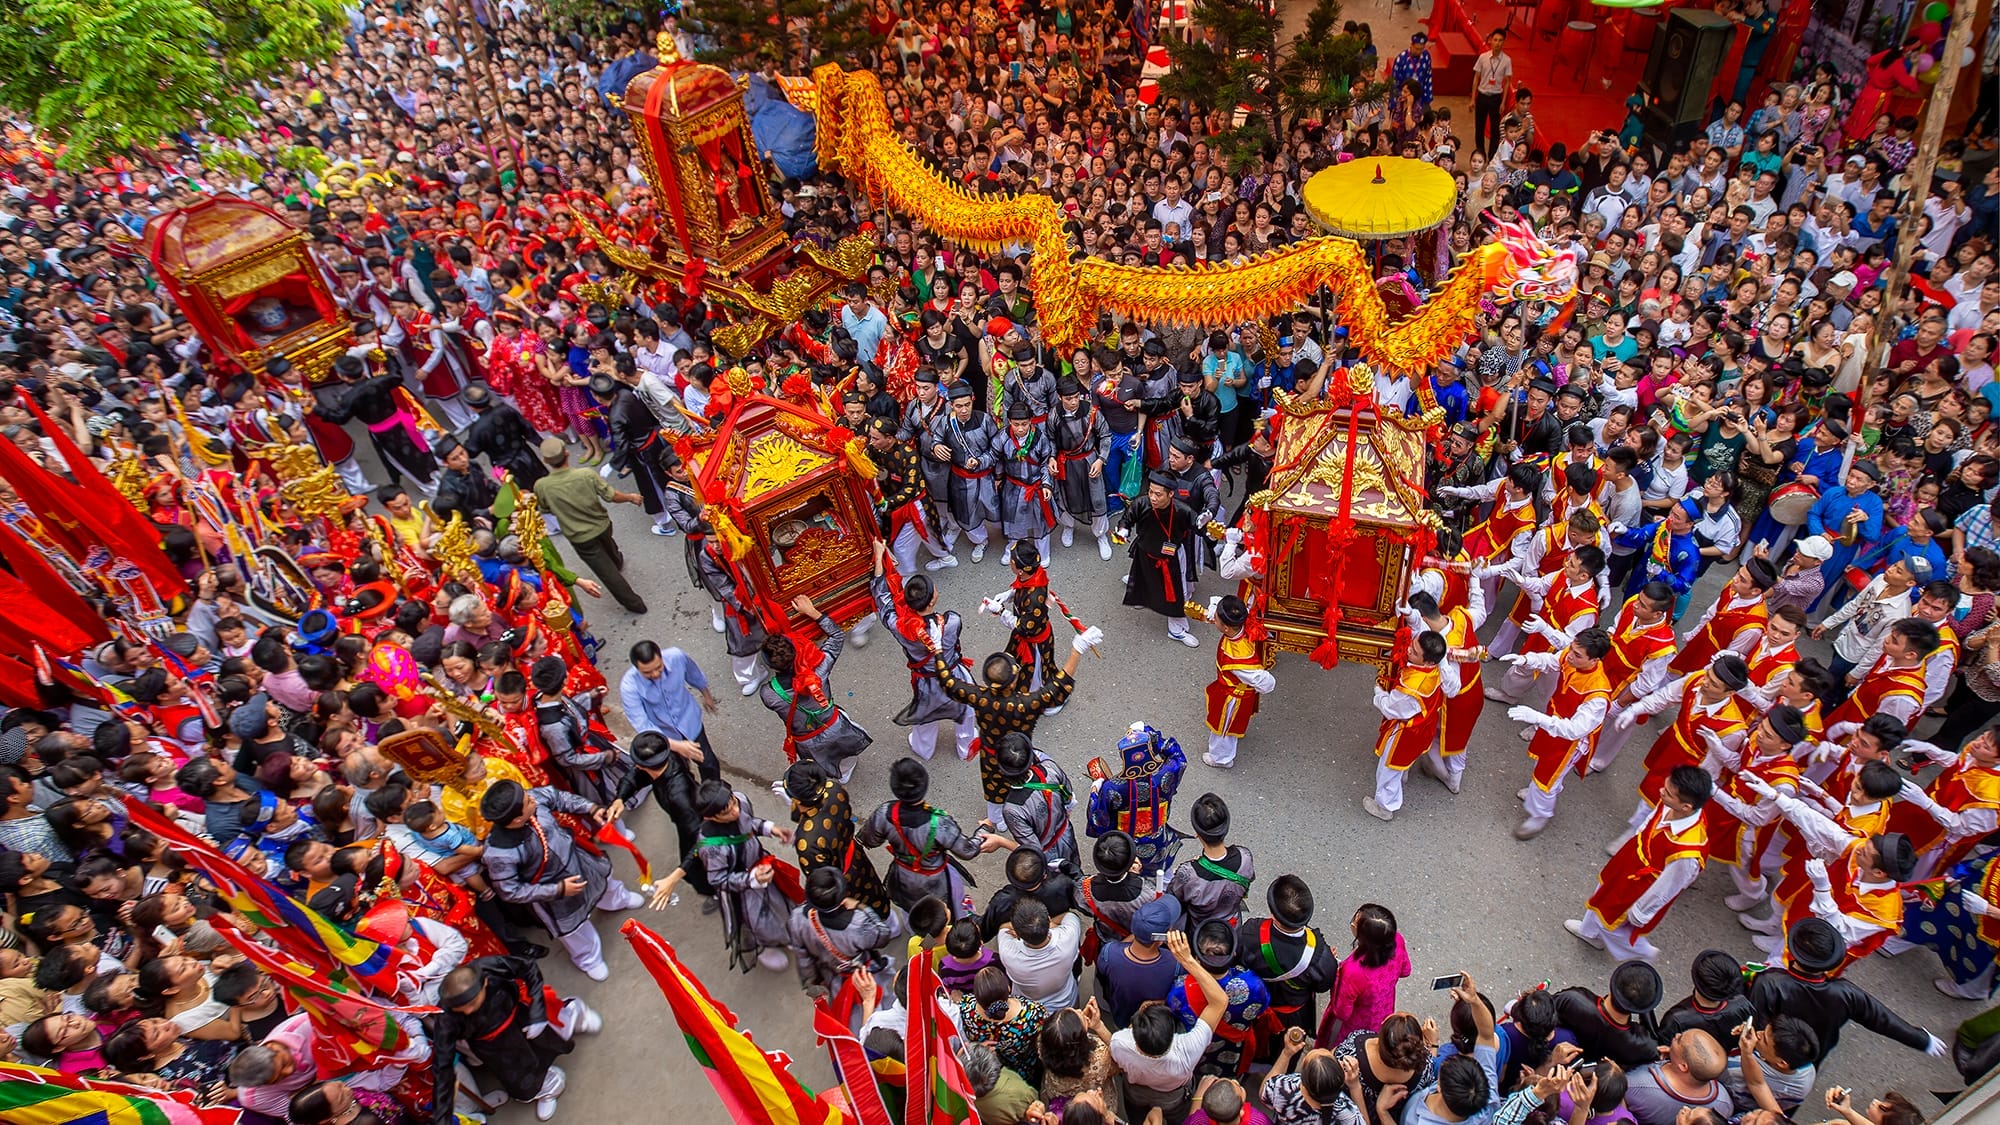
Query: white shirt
point(1043, 974)
point(1168, 1072)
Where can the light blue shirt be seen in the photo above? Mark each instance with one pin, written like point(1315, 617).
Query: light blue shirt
point(669, 704)
point(1415, 1112)
point(867, 330)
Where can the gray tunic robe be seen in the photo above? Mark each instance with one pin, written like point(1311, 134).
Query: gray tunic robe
point(1077, 440)
point(828, 953)
point(753, 917)
point(1206, 893)
point(1026, 512)
point(928, 702)
point(685, 510)
point(823, 733)
point(919, 839)
point(742, 630)
point(1033, 385)
point(528, 866)
point(917, 420)
point(969, 490)
point(1037, 815)
point(594, 774)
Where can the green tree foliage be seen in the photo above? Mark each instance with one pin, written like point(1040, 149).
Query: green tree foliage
point(743, 34)
point(101, 75)
point(1241, 62)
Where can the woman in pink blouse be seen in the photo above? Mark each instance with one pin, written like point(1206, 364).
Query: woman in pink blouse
point(1365, 993)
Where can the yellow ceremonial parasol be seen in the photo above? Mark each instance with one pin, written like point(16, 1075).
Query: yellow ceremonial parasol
point(1376, 197)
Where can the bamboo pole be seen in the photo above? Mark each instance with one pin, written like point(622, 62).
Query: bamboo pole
point(1916, 191)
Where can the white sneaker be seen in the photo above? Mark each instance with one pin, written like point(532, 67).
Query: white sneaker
point(633, 900)
point(1743, 902)
point(944, 562)
point(751, 687)
point(1068, 536)
point(664, 530)
point(1217, 762)
point(715, 618)
point(978, 552)
point(589, 1023)
point(1104, 548)
point(1767, 926)
point(1531, 828)
point(1772, 945)
point(1187, 639)
point(1369, 806)
point(599, 971)
point(1575, 927)
point(1522, 792)
point(774, 960)
point(545, 1109)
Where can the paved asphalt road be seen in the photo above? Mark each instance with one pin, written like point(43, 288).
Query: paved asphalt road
point(1467, 894)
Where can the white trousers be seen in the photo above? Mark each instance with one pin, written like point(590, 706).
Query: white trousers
point(1740, 874)
point(1222, 747)
point(1099, 525)
point(923, 738)
point(1619, 941)
point(352, 478)
point(747, 669)
point(1505, 639)
point(585, 951)
point(1543, 805)
point(1452, 765)
point(1177, 627)
point(904, 549)
point(456, 414)
point(1388, 785)
point(1610, 741)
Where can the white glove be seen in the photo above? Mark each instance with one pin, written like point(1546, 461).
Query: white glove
point(1617, 528)
point(1973, 903)
point(1626, 720)
point(1088, 639)
point(990, 605)
point(1936, 1048)
point(1007, 615)
point(1513, 658)
point(1214, 604)
point(1758, 786)
point(1258, 678)
point(1454, 491)
point(1233, 536)
point(778, 790)
point(1911, 790)
point(1536, 624)
point(1525, 715)
point(1816, 871)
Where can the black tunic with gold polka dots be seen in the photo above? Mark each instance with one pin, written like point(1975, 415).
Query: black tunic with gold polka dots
point(825, 838)
point(996, 712)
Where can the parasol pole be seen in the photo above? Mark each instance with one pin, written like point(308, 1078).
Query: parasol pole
point(1917, 183)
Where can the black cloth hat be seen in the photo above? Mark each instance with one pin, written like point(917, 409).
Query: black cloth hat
point(1788, 722)
point(961, 389)
point(1873, 470)
point(1730, 669)
point(1814, 946)
point(927, 375)
point(1162, 478)
point(1896, 854)
point(503, 801)
point(1019, 411)
point(1069, 385)
point(1231, 611)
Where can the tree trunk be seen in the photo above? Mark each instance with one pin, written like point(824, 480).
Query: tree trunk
point(1917, 190)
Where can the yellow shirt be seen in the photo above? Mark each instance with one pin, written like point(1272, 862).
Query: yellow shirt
point(410, 531)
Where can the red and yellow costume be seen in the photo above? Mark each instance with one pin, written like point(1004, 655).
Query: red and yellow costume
point(1881, 684)
point(1881, 905)
point(1681, 743)
point(1726, 832)
point(1554, 540)
point(1231, 702)
point(1961, 786)
point(1563, 608)
point(1642, 859)
point(1461, 711)
point(1720, 632)
point(1400, 742)
point(1494, 537)
point(1549, 752)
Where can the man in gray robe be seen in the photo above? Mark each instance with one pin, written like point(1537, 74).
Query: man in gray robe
point(815, 726)
point(531, 858)
point(963, 440)
point(833, 935)
point(756, 910)
point(924, 842)
point(905, 608)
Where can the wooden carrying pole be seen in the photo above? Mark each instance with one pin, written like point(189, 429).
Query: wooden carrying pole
point(1916, 191)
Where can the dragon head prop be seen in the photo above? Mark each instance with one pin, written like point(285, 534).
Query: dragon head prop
point(1520, 266)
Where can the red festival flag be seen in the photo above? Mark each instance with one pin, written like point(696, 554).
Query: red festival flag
point(356, 1032)
point(851, 1063)
point(138, 538)
point(39, 606)
point(756, 1086)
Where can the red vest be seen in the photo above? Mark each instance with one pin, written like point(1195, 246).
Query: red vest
point(1573, 689)
point(1400, 742)
point(1702, 647)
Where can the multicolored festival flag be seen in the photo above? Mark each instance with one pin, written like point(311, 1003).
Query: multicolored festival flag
point(939, 1092)
point(851, 1063)
point(356, 1032)
point(756, 1086)
point(33, 1095)
point(305, 933)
